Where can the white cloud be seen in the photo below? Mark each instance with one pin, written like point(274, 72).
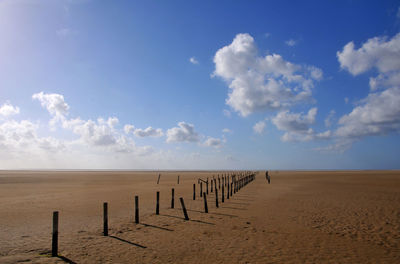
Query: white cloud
point(376, 52)
point(183, 133)
point(267, 35)
point(100, 133)
point(262, 83)
point(226, 130)
point(329, 118)
point(21, 137)
point(297, 126)
point(55, 104)
point(346, 100)
point(213, 142)
point(149, 132)
point(8, 109)
point(378, 114)
point(193, 60)
point(291, 42)
point(259, 127)
point(129, 129)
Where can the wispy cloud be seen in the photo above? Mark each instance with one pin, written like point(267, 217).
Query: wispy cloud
point(193, 60)
point(291, 42)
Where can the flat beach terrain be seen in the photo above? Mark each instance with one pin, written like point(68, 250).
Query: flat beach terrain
point(301, 217)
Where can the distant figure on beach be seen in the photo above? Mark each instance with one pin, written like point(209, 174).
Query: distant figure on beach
point(267, 177)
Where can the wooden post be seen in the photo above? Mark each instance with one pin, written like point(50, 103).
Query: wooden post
point(178, 179)
point(137, 209)
point(184, 209)
point(201, 189)
point(212, 181)
point(205, 203)
point(54, 242)
point(159, 175)
point(194, 191)
point(172, 198)
point(207, 185)
point(227, 193)
point(158, 204)
point(105, 219)
point(223, 194)
point(219, 183)
point(231, 187)
point(216, 197)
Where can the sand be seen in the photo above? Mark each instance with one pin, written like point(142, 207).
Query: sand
point(301, 217)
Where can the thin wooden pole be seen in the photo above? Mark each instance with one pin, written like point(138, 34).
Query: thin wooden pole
point(178, 179)
point(223, 194)
point(159, 175)
point(201, 189)
point(216, 197)
point(207, 185)
point(194, 191)
point(184, 209)
point(158, 204)
point(105, 219)
point(212, 181)
point(205, 203)
point(172, 198)
point(227, 193)
point(136, 209)
point(231, 187)
point(54, 242)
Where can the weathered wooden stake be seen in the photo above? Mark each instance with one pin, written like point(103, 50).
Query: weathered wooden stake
point(205, 203)
point(194, 191)
point(231, 187)
point(136, 209)
point(216, 197)
point(201, 189)
point(212, 181)
point(105, 219)
point(184, 209)
point(178, 179)
point(207, 185)
point(54, 242)
point(227, 193)
point(159, 175)
point(223, 194)
point(219, 183)
point(172, 198)
point(158, 204)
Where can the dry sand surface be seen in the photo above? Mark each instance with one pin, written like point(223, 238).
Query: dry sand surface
point(301, 217)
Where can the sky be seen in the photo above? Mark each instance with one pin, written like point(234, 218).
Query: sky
point(199, 84)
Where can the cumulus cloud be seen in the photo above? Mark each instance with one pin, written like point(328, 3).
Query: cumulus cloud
point(55, 105)
point(184, 132)
point(226, 130)
point(8, 109)
point(378, 52)
point(193, 60)
point(297, 126)
point(262, 83)
point(129, 129)
point(149, 132)
point(259, 127)
point(213, 142)
point(22, 137)
point(378, 113)
point(291, 42)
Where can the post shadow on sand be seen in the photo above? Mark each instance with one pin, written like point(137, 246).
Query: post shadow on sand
point(128, 242)
point(191, 210)
point(192, 220)
point(66, 260)
point(158, 227)
point(234, 208)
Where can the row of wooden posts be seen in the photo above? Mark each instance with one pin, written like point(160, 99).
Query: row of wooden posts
point(238, 181)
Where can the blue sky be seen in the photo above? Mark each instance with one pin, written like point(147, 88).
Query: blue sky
point(199, 85)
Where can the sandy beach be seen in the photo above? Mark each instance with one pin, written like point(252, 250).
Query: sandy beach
point(301, 217)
